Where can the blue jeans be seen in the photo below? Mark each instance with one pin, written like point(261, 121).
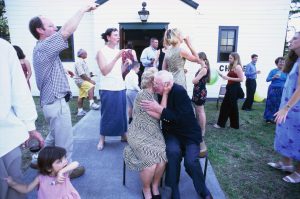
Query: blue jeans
point(176, 149)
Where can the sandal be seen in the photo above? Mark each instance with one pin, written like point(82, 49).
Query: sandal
point(293, 178)
point(279, 165)
point(100, 146)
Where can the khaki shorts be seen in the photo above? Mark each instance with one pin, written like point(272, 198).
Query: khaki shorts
point(84, 89)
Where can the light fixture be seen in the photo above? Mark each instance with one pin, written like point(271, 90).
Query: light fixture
point(144, 14)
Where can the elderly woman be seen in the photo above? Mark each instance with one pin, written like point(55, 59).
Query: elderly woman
point(146, 151)
point(287, 139)
point(175, 56)
point(277, 79)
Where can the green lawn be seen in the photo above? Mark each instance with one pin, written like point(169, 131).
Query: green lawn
point(239, 157)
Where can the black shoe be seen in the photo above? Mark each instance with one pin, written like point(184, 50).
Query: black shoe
point(79, 171)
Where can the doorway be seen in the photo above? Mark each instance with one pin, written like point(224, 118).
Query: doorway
point(140, 33)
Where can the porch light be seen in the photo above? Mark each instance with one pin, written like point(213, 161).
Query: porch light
point(144, 14)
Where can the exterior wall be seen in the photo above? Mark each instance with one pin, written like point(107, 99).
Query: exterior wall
point(261, 25)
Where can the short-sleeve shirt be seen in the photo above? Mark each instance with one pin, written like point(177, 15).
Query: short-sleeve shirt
point(50, 75)
point(81, 68)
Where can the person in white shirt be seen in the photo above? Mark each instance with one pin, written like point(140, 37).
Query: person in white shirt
point(149, 54)
point(17, 118)
point(132, 87)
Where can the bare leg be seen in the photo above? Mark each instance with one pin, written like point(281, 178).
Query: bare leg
point(79, 102)
point(159, 171)
point(100, 145)
point(91, 93)
point(202, 122)
point(146, 176)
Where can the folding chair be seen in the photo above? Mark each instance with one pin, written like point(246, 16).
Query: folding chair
point(221, 95)
point(162, 181)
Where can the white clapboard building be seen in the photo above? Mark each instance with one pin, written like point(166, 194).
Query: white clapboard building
point(216, 27)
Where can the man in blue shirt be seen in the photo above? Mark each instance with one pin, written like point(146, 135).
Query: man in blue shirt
point(251, 74)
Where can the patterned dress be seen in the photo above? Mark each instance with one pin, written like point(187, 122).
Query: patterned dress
point(199, 91)
point(176, 65)
point(146, 144)
point(287, 138)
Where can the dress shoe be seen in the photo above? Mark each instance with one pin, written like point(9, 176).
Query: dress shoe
point(79, 171)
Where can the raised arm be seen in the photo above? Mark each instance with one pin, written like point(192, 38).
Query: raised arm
point(60, 178)
point(22, 188)
point(71, 25)
point(105, 67)
point(191, 57)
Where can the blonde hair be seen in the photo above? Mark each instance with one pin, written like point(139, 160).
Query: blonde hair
point(148, 77)
point(172, 36)
point(237, 60)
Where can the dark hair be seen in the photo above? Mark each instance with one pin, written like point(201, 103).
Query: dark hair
point(108, 33)
point(203, 56)
point(129, 45)
point(254, 55)
point(278, 59)
point(47, 156)
point(19, 51)
point(35, 23)
point(290, 59)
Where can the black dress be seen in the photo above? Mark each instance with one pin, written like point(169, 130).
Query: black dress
point(199, 91)
point(160, 59)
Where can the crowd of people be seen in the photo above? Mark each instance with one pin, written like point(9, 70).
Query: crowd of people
point(157, 118)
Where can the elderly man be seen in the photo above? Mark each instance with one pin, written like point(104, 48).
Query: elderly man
point(17, 118)
point(181, 131)
point(52, 81)
point(84, 82)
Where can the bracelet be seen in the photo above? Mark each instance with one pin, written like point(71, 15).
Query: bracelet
point(287, 106)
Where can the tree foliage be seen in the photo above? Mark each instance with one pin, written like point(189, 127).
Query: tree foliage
point(4, 30)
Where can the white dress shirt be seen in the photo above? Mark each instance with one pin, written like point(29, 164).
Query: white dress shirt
point(18, 113)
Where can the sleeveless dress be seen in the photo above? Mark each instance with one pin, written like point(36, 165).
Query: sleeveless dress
point(146, 144)
point(176, 65)
point(287, 137)
point(49, 190)
point(199, 91)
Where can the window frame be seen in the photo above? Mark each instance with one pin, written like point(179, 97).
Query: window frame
point(227, 28)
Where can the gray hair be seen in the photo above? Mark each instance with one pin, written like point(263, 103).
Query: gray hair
point(80, 52)
point(148, 77)
point(165, 76)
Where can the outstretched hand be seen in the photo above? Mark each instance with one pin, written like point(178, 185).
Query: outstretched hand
point(91, 7)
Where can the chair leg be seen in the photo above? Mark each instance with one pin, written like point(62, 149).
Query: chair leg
point(124, 173)
point(205, 167)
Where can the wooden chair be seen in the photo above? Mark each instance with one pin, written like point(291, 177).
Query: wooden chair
point(221, 95)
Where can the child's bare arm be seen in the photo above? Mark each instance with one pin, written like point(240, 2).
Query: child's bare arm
point(60, 178)
point(22, 188)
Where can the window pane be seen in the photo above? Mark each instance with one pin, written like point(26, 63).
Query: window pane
point(229, 49)
point(223, 42)
point(224, 56)
point(230, 34)
point(230, 42)
point(223, 34)
point(222, 48)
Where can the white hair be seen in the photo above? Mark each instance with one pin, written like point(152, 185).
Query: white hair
point(80, 52)
point(165, 76)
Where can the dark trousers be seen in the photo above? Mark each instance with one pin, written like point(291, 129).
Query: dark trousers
point(250, 87)
point(176, 149)
point(229, 107)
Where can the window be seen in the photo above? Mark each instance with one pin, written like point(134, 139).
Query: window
point(67, 55)
point(227, 42)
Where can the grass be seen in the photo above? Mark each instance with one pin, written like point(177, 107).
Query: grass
point(240, 157)
point(42, 126)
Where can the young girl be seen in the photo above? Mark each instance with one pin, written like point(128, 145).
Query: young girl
point(53, 181)
point(199, 96)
